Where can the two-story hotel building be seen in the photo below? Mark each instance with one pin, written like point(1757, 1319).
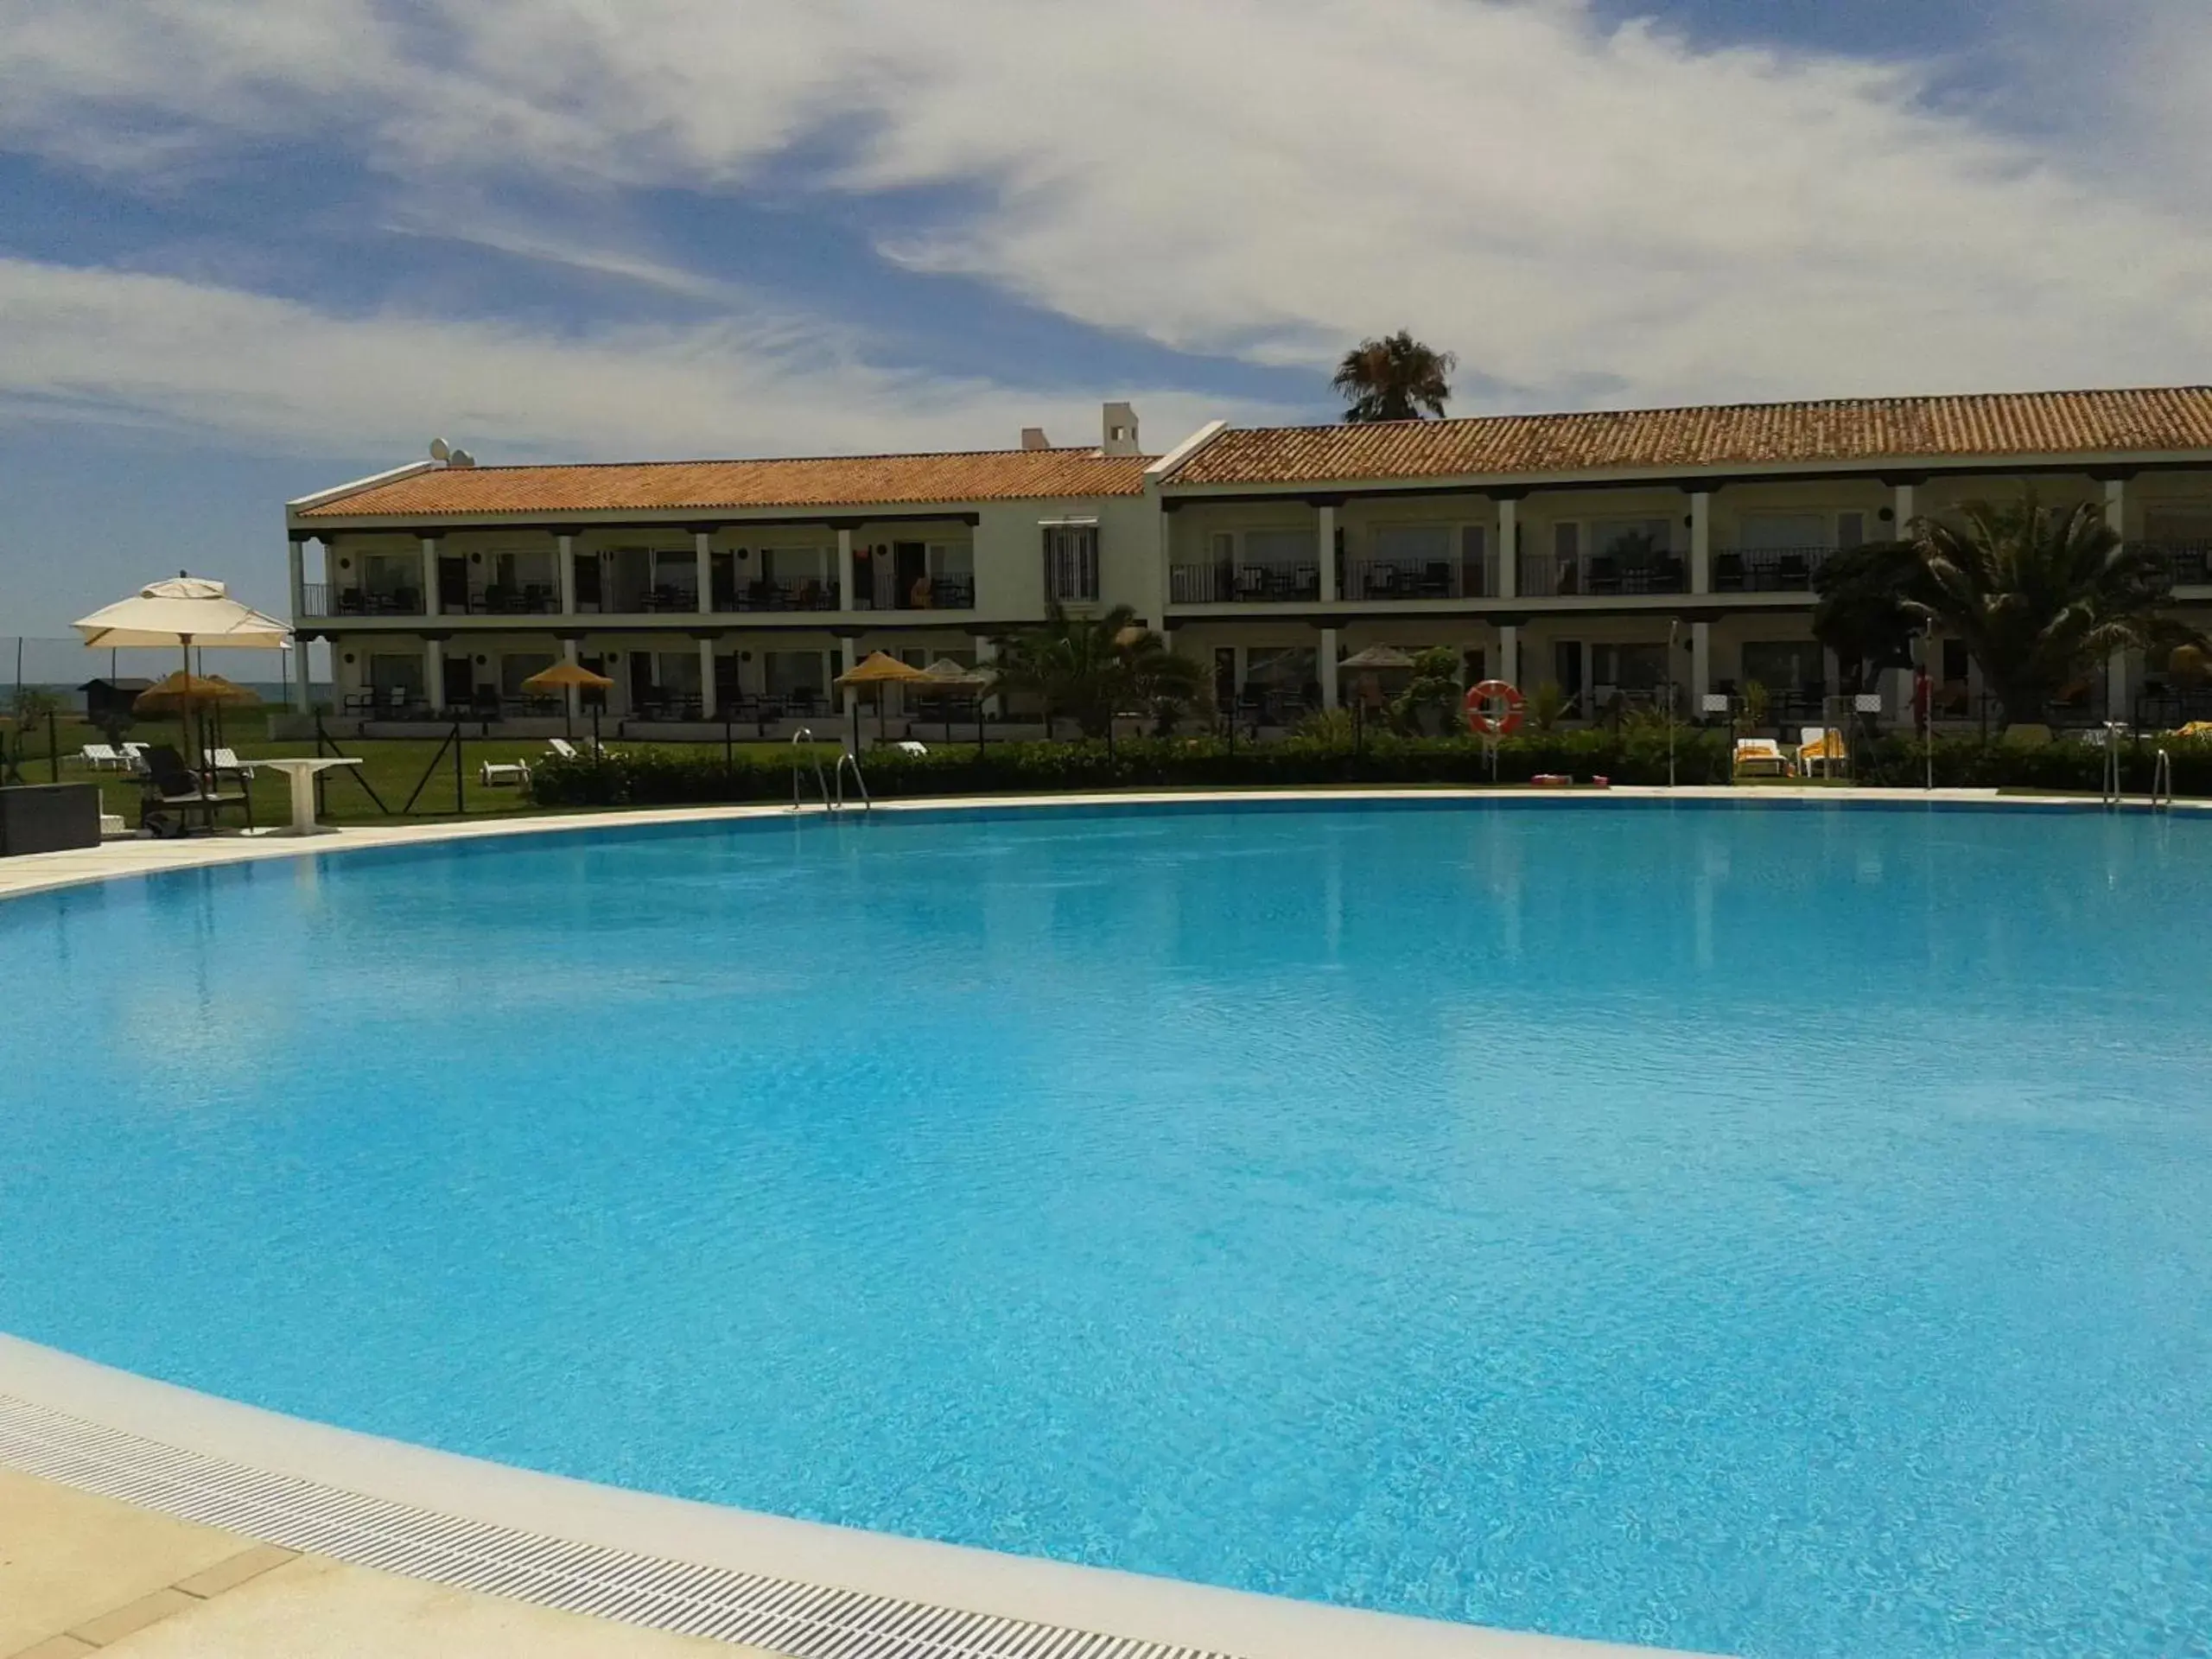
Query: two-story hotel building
point(1609, 553)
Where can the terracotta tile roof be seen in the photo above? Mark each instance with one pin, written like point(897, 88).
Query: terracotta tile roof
point(1856, 429)
point(707, 486)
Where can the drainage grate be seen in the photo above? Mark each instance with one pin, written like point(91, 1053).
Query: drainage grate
point(806, 1621)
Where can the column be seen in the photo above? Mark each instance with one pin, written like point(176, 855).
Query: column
point(845, 596)
point(1700, 667)
point(430, 578)
point(434, 674)
point(1508, 648)
point(1325, 536)
point(702, 541)
point(709, 704)
point(1701, 541)
point(565, 561)
point(2116, 703)
point(1328, 664)
point(848, 647)
point(1509, 561)
point(1904, 511)
point(576, 698)
point(986, 653)
point(300, 685)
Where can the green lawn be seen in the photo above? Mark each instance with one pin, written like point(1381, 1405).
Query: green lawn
point(392, 768)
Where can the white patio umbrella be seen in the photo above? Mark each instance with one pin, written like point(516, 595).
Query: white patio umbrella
point(184, 611)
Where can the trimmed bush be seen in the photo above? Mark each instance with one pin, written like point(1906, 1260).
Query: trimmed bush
point(650, 776)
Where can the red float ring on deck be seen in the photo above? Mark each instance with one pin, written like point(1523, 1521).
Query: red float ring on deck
point(1481, 721)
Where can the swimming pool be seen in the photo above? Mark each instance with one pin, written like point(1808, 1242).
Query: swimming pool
point(1778, 1231)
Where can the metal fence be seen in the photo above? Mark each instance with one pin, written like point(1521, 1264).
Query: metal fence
point(64, 667)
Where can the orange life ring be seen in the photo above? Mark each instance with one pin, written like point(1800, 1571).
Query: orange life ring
point(1481, 721)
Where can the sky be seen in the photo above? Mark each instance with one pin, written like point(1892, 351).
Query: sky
point(252, 248)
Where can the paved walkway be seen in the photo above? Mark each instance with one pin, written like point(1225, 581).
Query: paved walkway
point(82, 1574)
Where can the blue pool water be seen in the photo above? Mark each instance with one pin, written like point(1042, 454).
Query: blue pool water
point(1778, 1231)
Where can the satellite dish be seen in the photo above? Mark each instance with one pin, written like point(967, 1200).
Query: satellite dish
point(463, 458)
point(440, 450)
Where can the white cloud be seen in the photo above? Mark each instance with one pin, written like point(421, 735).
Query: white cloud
point(225, 364)
point(1573, 208)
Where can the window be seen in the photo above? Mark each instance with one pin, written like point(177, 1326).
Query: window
point(1629, 667)
point(1414, 545)
point(1617, 536)
point(1779, 530)
point(1785, 665)
point(515, 668)
point(391, 673)
point(1070, 562)
point(2178, 527)
point(1279, 547)
point(786, 672)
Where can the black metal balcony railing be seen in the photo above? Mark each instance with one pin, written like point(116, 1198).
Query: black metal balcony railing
point(810, 594)
point(1543, 577)
point(1366, 579)
point(945, 592)
point(1243, 584)
point(2186, 564)
point(520, 599)
point(1768, 569)
point(320, 599)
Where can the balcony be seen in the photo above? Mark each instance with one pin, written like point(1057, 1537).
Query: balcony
point(517, 599)
point(809, 594)
point(1217, 583)
point(1366, 579)
point(1604, 573)
point(321, 599)
point(1768, 569)
point(2185, 563)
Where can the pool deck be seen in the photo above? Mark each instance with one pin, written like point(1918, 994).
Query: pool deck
point(165, 1524)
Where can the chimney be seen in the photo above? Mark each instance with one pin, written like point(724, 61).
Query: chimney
point(1032, 437)
point(1120, 431)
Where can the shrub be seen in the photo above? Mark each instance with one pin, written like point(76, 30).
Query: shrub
point(650, 777)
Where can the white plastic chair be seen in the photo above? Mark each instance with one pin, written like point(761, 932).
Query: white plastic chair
point(1761, 754)
point(493, 775)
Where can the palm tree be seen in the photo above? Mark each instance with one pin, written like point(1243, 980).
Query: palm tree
point(1092, 668)
point(1861, 613)
point(2036, 593)
point(1395, 378)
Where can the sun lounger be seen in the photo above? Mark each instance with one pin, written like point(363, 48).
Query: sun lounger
point(1822, 746)
point(561, 747)
point(172, 787)
point(1760, 757)
point(907, 745)
point(226, 761)
point(103, 757)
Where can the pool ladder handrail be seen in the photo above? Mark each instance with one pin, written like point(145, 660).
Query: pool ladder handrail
point(2162, 783)
point(806, 735)
point(849, 758)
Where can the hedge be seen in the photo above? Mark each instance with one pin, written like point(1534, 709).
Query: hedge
point(647, 776)
point(651, 776)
